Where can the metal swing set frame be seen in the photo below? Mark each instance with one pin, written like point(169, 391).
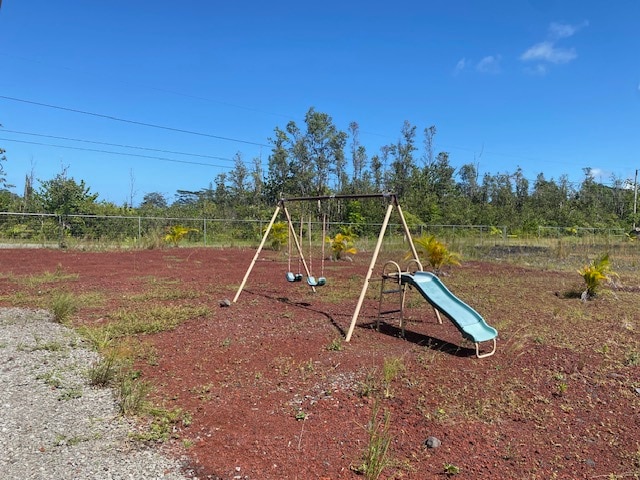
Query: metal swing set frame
point(282, 206)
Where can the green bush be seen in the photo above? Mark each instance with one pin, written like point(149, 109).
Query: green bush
point(594, 274)
point(436, 253)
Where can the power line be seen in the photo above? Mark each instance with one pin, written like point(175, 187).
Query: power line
point(164, 159)
point(134, 122)
point(118, 145)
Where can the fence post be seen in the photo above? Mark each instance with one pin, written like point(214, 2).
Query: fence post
point(139, 229)
point(204, 230)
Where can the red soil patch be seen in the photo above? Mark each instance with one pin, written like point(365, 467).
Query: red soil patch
point(272, 397)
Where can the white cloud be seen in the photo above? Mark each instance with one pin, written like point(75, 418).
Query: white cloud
point(489, 64)
point(462, 63)
point(563, 30)
point(548, 52)
point(598, 173)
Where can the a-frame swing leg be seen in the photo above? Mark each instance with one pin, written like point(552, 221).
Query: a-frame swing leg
point(372, 265)
point(262, 242)
point(383, 230)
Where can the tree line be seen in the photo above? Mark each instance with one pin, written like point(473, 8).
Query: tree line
point(317, 159)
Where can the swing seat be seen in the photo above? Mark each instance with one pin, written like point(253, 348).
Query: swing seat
point(294, 277)
point(316, 283)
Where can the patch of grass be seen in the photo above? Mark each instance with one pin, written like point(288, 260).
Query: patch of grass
point(51, 346)
point(632, 358)
point(50, 277)
point(62, 440)
point(51, 378)
point(335, 345)
point(391, 368)
point(154, 319)
point(369, 386)
point(450, 469)
point(101, 338)
point(376, 456)
point(70, 394)
point(132, 393)
point(164, 424)
point(164, 292)
point(63, 307)
point(104, 372)
point(203, 392)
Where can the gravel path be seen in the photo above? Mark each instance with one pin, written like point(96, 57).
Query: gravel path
point(52, 423)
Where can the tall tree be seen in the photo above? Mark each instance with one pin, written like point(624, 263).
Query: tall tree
point(358, 157)
point(403, 165)
point(279, 176)
point(325, 147)
point(62, 195)
point(257, 179)
point(153, 201)
point(301, 163)
point(3, 173)
point(239, 178)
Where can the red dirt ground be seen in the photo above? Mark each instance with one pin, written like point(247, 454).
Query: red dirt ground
point(274, 394)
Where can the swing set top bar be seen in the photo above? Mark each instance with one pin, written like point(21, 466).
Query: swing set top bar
point(336, 197)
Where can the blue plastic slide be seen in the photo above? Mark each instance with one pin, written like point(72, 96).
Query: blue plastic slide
point(469, 322)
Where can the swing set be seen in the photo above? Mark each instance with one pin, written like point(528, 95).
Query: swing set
point(469, 322)
point(312, 281)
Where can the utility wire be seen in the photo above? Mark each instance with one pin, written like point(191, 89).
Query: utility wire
point(133, 122)
point(164, 159)
point(118, 145)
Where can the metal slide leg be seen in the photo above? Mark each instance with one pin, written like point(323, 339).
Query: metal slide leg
point(484, 355)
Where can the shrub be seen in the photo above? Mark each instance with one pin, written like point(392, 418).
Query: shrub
point(436, 252)
point(279, 235)
point(594, 274)
point(342, 244)
point(63, 306)
point(176, 233)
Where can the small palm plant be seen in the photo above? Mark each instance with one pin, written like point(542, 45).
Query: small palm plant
point(176, 233)
point(436, 253)
point(594, 274)
point(342, 244)
point(278, 235)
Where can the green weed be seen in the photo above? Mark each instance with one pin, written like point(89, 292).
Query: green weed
point(335, 345)
point(63, 307)
point(51, 378)
point(104, 372)
point(70, 394)
point(376, 456)
point(164, 424)
point(131, 393)
point(391, 368)
point(50, 277)
point(451, 469)
point(155, 319)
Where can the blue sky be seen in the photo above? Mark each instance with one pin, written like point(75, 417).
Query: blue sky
point(551, 86)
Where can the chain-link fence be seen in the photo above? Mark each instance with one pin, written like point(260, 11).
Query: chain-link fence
point(96, 231)
point(50, 230)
